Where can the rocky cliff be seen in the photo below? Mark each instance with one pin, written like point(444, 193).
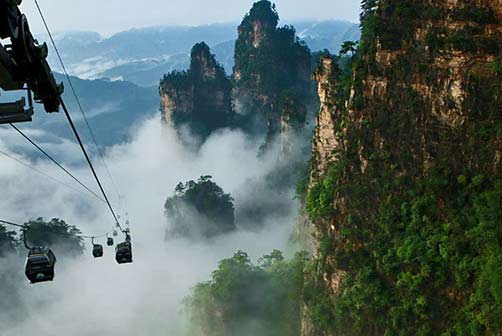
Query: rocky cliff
point(199, 98)
point(272, 68)
point(405, 194)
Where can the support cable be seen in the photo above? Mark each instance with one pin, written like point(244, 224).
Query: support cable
point(41, 150)
point(84, 151)
point(25, 227)
point(46, 175)
point(100, 153)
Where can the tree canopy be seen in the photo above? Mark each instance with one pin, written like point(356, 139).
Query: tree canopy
point(200, 209)
point(7, 241)
point(56, 234)
point(247, 299)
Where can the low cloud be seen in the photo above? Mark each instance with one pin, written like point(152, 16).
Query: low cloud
point(143, 298)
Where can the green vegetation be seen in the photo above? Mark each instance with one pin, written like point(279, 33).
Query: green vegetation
point(201, 95)
point(476, 14)
point(201, 54)
point(293, 109)
point(320, 198)
point(180, 80)
point(199, 209)
point(7, 241)
point(408, 219)
point(270, 62)
point(496, 67)
point(302, 183)
point(348, 47)
point(56, 234)
point(429, 264)
point(246, 299)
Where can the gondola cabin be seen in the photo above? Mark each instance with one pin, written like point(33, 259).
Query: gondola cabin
point(109, 241)
point(97, 251)
point(40, 265)
point(123, 253)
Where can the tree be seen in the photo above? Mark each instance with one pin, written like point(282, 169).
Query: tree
point(244, 299)
point(368, 8)
point(7, 241)
point(348, 47)
point(199, 209)
point(56, 234)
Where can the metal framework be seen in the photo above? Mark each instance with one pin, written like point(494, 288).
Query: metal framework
point(23, 66)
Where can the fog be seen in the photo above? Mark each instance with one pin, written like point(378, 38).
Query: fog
point(143, 298)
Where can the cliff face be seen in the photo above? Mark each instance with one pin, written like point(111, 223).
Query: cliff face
point(326, 143)
point(405, 185)
point(199, 98)
point(292, 121)
point(272, 67)
point(176, 102)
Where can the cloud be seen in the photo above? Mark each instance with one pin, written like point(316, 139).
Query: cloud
point(99, 296)
point(116, 15)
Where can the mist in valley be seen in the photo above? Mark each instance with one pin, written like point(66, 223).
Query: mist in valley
point(143, 298)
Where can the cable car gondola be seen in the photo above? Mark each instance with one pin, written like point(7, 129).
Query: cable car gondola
point(97, 251)
point(109, 241)
point(40, 265)
point(123, 253)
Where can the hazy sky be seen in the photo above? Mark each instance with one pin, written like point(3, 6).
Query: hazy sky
point(109, 16)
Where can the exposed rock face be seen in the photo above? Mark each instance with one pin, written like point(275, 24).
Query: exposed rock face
point(440, 65)
point(425, 96)
point(200, 97)
point(293, 116)
point(271, 66)
point(326, 143)
point(175, 100)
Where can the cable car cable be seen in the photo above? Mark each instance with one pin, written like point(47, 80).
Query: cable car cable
point(26, 227)
point(76, 97)
point(46, 175)
point(84, 151)
point(85, 119)
point(13, 224)
point(56, 163)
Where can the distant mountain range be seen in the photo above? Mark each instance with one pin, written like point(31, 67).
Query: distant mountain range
point(142, 56)
point(117, 78)
point(113, 110)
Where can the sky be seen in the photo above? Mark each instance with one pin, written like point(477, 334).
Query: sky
point(111, 16)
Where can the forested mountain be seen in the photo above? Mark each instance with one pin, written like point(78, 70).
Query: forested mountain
point(402, 206)
point(272, 73)
point(130, 65)
point(113, 109)
point(199, 210)
point(405, 191)
point(270, 92)
point(398, 205)
point(142, 55)
point(199, 98)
